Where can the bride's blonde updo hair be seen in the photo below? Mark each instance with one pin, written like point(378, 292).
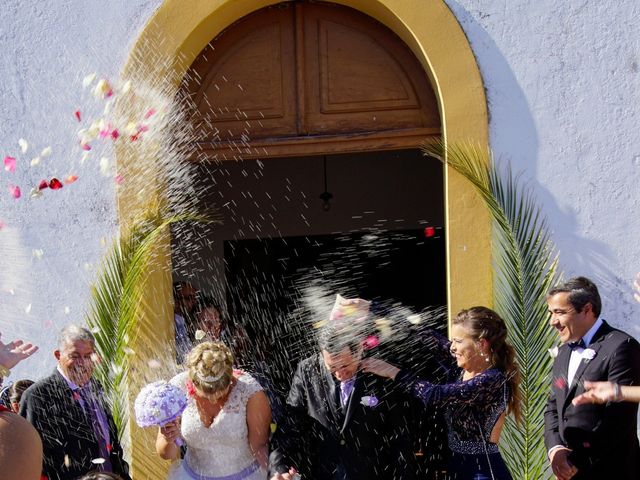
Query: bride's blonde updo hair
point(210, 366)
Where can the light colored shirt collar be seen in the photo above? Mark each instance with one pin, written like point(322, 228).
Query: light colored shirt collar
point(591, 332)
point(71, 384)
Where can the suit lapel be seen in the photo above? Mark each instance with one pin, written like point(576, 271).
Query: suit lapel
point(596, 343)
point(331, 393)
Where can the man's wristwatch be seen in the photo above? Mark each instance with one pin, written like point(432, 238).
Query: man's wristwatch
point(4, 371)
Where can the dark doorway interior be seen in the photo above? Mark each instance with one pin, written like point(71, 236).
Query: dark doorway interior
point(266, 281)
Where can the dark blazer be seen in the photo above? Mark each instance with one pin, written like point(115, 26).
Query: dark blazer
point(603, 437)
point(325, 441)
point(68, 440)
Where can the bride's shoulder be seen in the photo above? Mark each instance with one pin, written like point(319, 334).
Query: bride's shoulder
point(180, 380)
point(247, 383)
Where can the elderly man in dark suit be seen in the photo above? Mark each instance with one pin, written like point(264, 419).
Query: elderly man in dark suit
point(589, 442)
point(68, 410)
point(342, 424)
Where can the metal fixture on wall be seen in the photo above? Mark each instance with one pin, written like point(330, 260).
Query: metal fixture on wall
point(325, 196)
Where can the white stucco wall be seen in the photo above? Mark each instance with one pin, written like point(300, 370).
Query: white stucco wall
point(562, 82)
point(562, 85)
point(46, 48)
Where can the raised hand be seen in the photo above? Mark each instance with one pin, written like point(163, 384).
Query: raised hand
point(292, 474)
point(171, 431)
point(14, 352)
point(379, 367)
point(597, 392)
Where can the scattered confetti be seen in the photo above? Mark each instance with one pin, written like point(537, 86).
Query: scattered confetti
point(70, 179)
point(102, 89)
point(67, 310)
point(98, 461)
point(55, 184)
point(43, 184)
point(27, 309)
point(155, 364)
point(45, 152)
point(10, 164)
point(38, 253)
point(78, 115)
point(119, 179)
point(105, 166)
point(88, 80)
point(35, 193)
point(200, 334)
point(35, 161)
point(87, 266)
point(150, 113)
point(24, 145)
point(414, 319)
point(85, 146)
point(15, 192)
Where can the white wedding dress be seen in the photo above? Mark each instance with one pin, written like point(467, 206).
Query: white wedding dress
point(221, 451)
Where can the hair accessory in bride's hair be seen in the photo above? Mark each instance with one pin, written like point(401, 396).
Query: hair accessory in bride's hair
point(209, 378)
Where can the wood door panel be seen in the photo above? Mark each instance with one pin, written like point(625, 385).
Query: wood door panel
point(360, 77)
point(248, 79)
point(305, 70)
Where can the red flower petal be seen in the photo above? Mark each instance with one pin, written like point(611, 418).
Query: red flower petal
point(370, 342)
point(43, 184)
point(10, 164)
point(55, 184)
point(134, 138)
point(70, 179)
point(429, 232)
point(77, 114)
point(15, 191)
point(85, 146)
point(115, 134)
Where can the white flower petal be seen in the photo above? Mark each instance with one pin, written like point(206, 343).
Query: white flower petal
point(35, 161)
point(24, 145)
point(45, 152)
point(88, 80)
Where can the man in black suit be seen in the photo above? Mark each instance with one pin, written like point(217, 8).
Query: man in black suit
point(341, 424)
point(590, 441)
point(67, 409)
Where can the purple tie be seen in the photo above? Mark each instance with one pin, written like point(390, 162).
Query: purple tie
point(98, 424)
point(345, 390)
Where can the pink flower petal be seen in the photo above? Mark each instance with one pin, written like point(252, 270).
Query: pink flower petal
point(10, 164)
point(150, 113)
point(55, 184)
point(43, 184)
point(143, 128)
point(15, 191)
point(85, 146)
point(70, 179)
point(119, 179)
point(77, 114)
point(2, 225)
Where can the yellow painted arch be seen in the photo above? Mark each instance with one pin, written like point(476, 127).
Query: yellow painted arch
point(431, 31)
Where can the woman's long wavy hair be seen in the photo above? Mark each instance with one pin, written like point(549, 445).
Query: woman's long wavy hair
point(484, 323)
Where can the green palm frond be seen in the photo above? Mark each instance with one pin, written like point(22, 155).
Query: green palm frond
point(525, 263)
point(117, 301)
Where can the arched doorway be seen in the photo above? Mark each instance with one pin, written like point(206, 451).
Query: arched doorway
point(436, 40)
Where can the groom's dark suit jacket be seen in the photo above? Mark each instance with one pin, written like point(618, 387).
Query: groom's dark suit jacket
point(603, 437)
point(68, 440)
point(325, 441)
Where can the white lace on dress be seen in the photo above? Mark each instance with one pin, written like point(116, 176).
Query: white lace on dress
point(223, 448)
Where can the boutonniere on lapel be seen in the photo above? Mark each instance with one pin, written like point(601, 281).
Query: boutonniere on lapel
point(369, 401)
point(588, 354)
point(553, 352)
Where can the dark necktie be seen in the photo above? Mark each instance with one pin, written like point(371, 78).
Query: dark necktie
point(90, 408)
point(579, 344)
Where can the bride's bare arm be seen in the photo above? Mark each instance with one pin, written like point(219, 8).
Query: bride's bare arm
point(166, 441)
point(258, 423)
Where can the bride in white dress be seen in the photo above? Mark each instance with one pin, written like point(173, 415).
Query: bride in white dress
point(225, 425)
